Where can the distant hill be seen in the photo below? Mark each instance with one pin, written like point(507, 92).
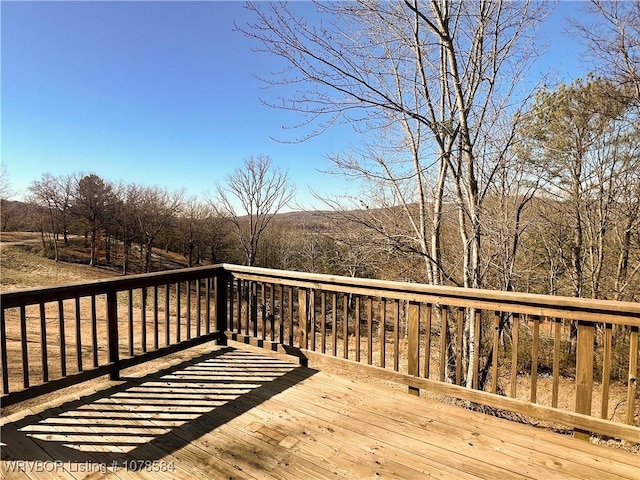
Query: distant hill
point(14, 215)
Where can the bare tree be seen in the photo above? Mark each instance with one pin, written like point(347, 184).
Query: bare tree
point(217, 234)
point(440, 73)
point(6, 192)
point(92, 196)
point(55, 194)
point(612, 37)
point(43, 196)
point(613, 42)
point(252, 196)
point(193, 218)
point(155, 209)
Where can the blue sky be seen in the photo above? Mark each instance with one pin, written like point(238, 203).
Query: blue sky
point(161, 94)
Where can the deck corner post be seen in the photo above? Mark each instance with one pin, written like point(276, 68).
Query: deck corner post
point(221, 291)
point(112, 327)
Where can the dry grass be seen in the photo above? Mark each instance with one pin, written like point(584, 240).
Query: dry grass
point(23, 266)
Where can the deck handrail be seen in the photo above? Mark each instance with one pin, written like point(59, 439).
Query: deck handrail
point(586, 309)
point(107, 353)
point(424, 331)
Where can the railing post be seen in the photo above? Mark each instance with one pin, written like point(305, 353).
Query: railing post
point(112, 327)
point(584, 373)
point(221, 286)
point(3, 353)
point(413, 320)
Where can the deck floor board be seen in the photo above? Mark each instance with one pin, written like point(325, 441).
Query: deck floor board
point(234, 413)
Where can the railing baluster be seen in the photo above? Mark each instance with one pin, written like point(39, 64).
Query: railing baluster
point(143, 319)
point(413, 333)
point(78, 336)
point(272, 307)
point(557, 339)
point(44, 355)
point(496, 348)
point(231, 290)
point(222, 287)
point(188, 326)
point(239, 304)
point(533, 397)
point(357, 328)
point(476, 342)
point(156, 320)
point(253, 302)
point(370, 331)
point(427, 338)
point(311, 313)
point(131, 330)
point(396, 337)
point(178, 314)
point(633, 375)
point(323, 321)
point(3, 353)
point(443, 343)
point(112, 328)
point(94, 331)
point(460, 335)
point(23, 344)
point(303, 318)
point(281, 316)
point(515, 334)
point(606, 370)
point(198, 308)
point(208, 303)
point(167, 314)
point(290, 308)
point(383, 332)
point(243, 304)
point(63, 347)
point(345, 325)
point(263, 311)
point(334, 324)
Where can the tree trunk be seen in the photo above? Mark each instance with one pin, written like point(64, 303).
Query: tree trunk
point(94, 253)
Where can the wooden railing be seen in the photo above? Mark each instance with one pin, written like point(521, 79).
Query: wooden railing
point(547, 357)
point(55, 337)
point(566, 361)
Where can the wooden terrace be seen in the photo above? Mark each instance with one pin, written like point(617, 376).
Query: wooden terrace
point(230, 412)
point(253, 373)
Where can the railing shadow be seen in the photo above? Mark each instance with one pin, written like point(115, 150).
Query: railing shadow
point(148, 418)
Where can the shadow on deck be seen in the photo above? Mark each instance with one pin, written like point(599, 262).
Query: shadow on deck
point(143, 420)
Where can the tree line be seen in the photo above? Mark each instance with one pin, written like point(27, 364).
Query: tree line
point(133, 219)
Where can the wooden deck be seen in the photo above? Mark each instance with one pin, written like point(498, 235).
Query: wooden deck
point(237, 413)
